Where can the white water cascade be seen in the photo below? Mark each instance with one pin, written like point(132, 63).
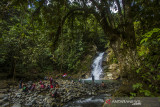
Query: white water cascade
point(97, 67)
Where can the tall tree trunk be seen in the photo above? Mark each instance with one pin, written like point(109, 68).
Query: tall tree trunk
point(125, 52)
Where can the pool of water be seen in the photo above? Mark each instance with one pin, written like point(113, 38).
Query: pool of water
point(93, 101)
point(98, 81)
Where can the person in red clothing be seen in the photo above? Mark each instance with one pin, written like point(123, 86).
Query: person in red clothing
point(51, 80)
point(51, 86)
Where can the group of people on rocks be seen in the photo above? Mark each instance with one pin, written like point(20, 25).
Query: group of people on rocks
point(44, 85)
point(41, 86)
point(26, 87)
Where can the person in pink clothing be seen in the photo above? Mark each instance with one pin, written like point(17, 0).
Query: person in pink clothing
point(42, 86)
point(51, 86)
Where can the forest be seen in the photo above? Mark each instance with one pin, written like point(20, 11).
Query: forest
point(53, 37)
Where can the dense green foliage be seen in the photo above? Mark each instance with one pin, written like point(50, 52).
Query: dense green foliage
point(149, 70)
point(27, 38)
point(64, 35)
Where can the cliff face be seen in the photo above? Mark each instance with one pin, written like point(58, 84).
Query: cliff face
point(110, 66)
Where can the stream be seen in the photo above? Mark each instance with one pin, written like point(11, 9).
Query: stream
point(93, 101)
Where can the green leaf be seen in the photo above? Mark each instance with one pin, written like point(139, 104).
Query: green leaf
point(133, 94)
point(147, 93)
point(158, 77)
point(138, 70)
point(137, 85)
point(144, 40)
point(149, 80)
point(150, 86)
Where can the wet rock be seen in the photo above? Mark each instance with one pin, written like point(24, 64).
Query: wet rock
point(3, 101)
point(2, 96)
point(3, 90)
point(6, 104)
point(68, 91)
point(18, 95)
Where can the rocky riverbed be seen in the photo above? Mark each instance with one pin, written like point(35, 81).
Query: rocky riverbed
point(68, 91)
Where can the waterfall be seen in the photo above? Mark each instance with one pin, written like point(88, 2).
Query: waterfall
point(97, 66)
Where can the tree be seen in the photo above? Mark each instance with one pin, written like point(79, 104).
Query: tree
point(118, 27)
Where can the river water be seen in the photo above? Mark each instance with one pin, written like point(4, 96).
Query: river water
point(93, 101)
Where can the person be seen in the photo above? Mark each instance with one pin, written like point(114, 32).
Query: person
point(51, 85)
point(102, 84)
point(79, 80)
point(54, 94)
point(25, 88)
point(33, 87)
point(51, 80)
point(92, 78)
point(54, 84)
point(42, 86)
point(40, 82)
point(45, 78)
point(82, 81)
point(69, 77)
point(47, 87)
point(30, 86)
point(20, 84)
point(65, 74)
point(57, 85)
